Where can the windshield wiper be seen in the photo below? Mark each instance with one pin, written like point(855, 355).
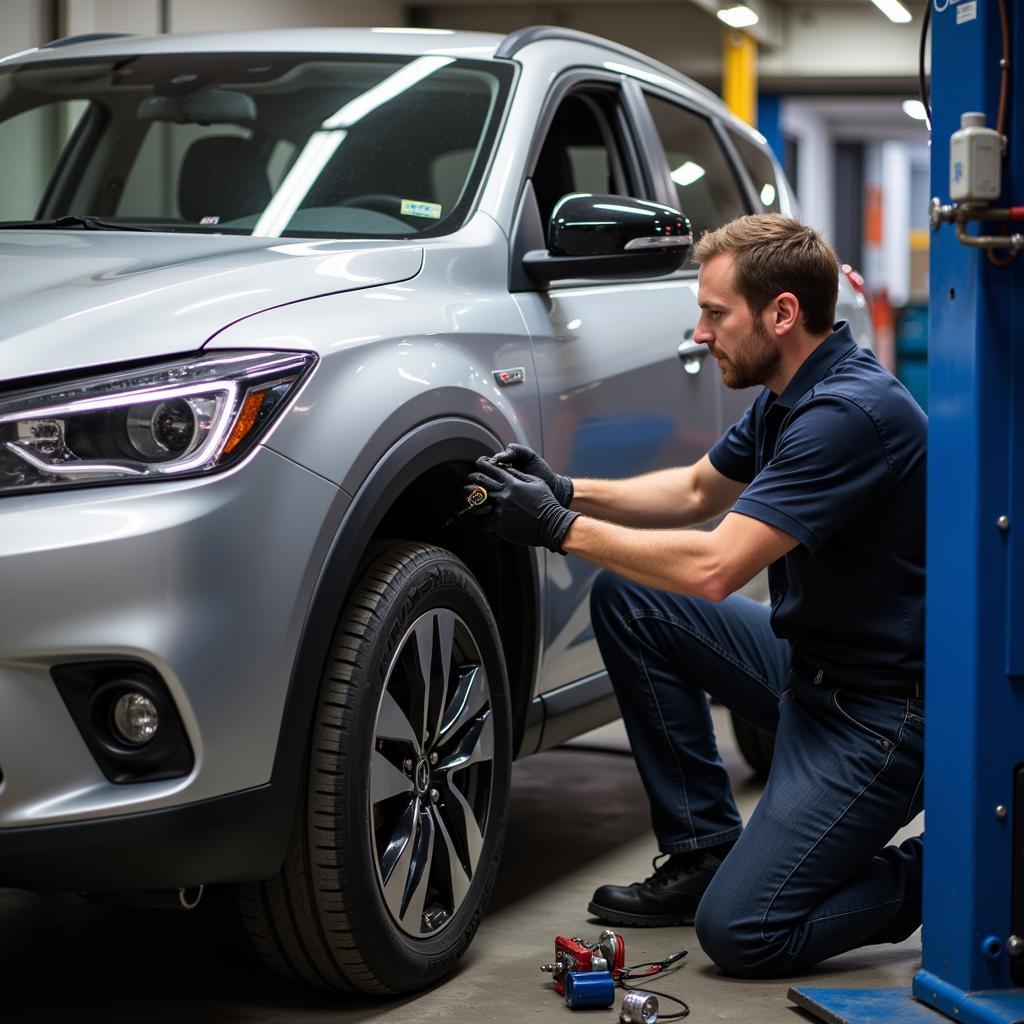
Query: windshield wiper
point(89, 223)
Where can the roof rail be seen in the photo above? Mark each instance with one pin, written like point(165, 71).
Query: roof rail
point(87, 38)
point(523, 37)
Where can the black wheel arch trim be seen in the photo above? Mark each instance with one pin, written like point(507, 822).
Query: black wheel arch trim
point(430, 444)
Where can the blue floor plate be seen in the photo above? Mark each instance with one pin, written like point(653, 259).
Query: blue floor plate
point(864, 1006)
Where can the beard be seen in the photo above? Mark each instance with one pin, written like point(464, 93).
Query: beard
point(753, 362)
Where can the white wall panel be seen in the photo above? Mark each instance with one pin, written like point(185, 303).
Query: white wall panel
point(23, 24)
point(203, 16)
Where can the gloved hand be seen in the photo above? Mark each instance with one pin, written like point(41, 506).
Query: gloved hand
point(520, 508)
point(526, 460)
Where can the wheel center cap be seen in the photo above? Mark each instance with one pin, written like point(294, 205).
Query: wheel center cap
point(422, 777)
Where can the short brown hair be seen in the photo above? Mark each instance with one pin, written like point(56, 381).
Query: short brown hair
point(774, 254)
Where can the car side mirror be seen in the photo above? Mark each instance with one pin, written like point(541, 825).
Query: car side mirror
point(600, 236)
point(591, 225)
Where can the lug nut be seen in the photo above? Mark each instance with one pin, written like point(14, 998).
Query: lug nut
point(407, 764)
point(434, 796)
point(433, 757)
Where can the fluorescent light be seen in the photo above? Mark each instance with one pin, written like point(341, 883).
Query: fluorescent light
point(415, 31)
point(687, 173)
point(915, 109)
point(740, 16)
point(893, 10)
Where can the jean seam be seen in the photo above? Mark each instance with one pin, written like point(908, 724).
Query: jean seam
point(633, 616)
point(688, 845)
point(910, 807)
point(859, 910)
point(680, 774)
point(817, 842)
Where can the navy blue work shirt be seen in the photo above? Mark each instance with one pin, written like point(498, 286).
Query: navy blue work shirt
point(837, 461)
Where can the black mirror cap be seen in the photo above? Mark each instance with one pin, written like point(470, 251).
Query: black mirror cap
point(584, 224)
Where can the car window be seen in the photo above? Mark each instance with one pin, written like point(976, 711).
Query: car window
point(706, 187)
point(262, 144)
point(761, 170)
point(580, 154)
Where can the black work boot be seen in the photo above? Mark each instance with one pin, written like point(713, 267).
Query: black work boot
point(669, 896)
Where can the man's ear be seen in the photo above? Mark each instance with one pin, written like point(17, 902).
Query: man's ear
point(785, 311)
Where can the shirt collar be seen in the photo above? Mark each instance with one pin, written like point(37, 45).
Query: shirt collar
point(813, 369)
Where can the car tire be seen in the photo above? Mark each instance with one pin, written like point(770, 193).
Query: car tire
point(756, 746)
point(398, 833)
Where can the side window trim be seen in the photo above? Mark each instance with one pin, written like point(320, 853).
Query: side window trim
point(653, 156)
point(738, 166)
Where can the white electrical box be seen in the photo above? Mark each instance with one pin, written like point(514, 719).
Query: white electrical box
point(975, 161)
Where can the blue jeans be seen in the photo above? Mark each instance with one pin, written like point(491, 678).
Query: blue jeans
point(811, 875)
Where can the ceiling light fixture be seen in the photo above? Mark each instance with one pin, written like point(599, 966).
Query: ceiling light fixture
point(893, 10)
point(739, 16)
point(915, 109)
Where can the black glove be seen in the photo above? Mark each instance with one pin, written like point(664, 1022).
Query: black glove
point(526, 460)
point(520, 508)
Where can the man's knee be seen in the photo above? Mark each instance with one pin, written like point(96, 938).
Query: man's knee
point(736, 945)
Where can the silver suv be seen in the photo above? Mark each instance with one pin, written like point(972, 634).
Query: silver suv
point(266, 297)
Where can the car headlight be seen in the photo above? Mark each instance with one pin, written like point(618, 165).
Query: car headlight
point(176, 419)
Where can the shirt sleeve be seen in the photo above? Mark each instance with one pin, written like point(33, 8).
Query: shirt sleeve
point(733, 455)
point(829, 463)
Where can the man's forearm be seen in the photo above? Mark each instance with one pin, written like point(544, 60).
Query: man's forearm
point(683, 561)
point(659, 500)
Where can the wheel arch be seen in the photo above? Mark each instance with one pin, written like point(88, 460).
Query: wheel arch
point(408, 495)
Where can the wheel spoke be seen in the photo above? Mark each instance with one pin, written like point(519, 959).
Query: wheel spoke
point(397, 859)
point(460, 877)
point(465, 820)
point(415, 896)
point(467, 702)
point(476, 746)
point(392, 722)
point(434, 641)
point(386, 780)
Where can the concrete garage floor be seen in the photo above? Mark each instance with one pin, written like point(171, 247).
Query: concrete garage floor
point(578, 818)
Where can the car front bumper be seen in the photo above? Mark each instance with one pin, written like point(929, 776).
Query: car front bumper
point(208, 582)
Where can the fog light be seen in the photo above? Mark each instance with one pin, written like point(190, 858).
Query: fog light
point(135, 718)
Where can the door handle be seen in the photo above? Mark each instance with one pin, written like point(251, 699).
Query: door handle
point(693, 355)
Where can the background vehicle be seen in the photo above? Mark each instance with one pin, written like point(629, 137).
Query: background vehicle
point(279, 291)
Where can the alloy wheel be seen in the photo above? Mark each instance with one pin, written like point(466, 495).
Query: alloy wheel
point(431, 774)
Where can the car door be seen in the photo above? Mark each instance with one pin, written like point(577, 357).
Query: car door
point(618, 394)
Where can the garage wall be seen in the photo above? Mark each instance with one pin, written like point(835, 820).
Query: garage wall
point(677, 34)
point(201, 15)
point(27, 23)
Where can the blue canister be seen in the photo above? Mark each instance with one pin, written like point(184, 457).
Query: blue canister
point(587, 990)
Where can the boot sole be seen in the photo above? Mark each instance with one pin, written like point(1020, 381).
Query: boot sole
point(638, 920)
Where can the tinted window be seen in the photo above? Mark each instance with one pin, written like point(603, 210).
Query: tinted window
point(705, 183)
point(761, 170)
point(579, 155)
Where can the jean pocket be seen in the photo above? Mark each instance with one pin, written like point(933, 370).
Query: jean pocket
point(872, 716)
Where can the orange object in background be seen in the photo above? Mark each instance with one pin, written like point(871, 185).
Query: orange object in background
point(885, 329)
point(873, 214)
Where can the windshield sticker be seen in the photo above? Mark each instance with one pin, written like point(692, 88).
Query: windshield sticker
point(414, 208)
point(209, 220)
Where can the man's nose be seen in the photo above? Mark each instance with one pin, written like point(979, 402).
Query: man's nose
point(701, 334)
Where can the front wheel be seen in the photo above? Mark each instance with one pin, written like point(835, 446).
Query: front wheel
point(397, 840)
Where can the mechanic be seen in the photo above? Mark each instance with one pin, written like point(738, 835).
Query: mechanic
point(823, 483)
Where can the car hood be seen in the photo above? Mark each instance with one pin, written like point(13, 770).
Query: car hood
point(74, 299)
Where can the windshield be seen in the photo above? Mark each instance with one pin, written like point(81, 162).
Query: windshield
point(260, 144)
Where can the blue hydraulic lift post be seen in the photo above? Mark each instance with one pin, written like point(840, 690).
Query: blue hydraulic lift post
point(973, 937)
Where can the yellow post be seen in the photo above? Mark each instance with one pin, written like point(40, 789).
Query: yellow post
point(739, 75)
